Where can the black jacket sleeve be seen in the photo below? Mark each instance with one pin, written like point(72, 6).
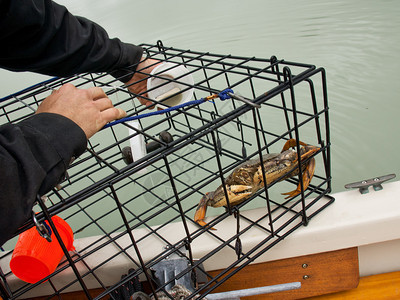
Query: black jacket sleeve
point(34, 155)
point(43, 37)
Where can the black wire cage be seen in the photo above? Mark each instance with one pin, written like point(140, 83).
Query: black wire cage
point(131, 216)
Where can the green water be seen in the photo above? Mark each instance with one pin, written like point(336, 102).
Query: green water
point(357, 42)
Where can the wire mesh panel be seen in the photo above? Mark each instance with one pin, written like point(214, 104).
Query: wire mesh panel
point(131, 216)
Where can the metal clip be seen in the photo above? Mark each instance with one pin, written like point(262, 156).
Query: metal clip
point(376, 183)
point(43, 229)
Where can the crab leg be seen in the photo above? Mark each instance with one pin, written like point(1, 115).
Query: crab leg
point(307, 176)
point(292, 143)
point(309, 170)
point(201, 211)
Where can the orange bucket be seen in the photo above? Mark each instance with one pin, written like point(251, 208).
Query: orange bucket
point(34, 257)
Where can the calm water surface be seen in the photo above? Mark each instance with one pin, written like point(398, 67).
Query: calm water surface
point(357, 42)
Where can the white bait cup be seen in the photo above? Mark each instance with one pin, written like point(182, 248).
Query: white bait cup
point(170, 79)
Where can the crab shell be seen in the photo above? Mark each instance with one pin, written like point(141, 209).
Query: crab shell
point(247, 178)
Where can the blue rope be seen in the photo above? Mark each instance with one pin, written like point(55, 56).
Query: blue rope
point(43, 83)
point(222, 95)
point(225, 94)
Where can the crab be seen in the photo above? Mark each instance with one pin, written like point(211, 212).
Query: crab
point(247, 178)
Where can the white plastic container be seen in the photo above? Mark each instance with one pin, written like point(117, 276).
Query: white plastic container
point(170, 80)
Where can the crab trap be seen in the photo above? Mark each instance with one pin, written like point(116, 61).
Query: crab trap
point(131, 198)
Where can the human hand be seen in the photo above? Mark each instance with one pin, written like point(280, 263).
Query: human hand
point(137, 84)
point(90, 108)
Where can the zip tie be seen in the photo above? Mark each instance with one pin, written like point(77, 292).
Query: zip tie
point(222, 95)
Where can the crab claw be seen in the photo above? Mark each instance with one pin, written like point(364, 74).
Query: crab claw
point(201, 211)
point(235, 193)
point(238, 192)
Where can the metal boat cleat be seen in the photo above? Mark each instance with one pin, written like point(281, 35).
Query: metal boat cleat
point(364, 185)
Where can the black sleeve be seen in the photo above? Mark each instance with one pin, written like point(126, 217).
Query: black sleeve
point(43, 37)
point(33, 159)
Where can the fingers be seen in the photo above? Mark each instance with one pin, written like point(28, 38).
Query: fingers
point(112, 114)
point(138, 83)
point(106, 108)
point(149, 104)
point(103, 103)
point(96, 93)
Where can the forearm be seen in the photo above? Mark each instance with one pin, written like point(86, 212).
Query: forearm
point(33, 159)
point(42, 36)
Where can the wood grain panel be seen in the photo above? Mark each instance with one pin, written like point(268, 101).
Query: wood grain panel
point(319, 274)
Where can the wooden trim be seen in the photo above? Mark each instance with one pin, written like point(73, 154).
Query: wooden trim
point(319, 274)
point(381, 286)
